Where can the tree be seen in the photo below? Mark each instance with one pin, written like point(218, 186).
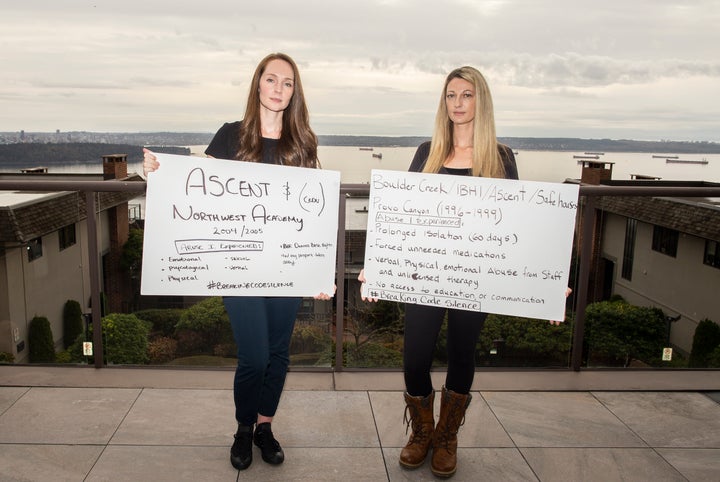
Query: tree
point(131, 262)
point(131, 256)
point(72, 322)
point(40, 339)
point(705, 341)
point(370, 321)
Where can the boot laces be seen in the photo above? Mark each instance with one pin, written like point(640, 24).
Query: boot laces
point(452, 425)
point(419, 434)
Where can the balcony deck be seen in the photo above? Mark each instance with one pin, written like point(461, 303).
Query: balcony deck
point(86, 424)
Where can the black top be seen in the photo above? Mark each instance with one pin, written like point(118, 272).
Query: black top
point(423, 151)
point(226, 144)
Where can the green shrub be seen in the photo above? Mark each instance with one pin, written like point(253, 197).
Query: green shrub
point(307, 338)
point(40, 339)
point(75, 350)
point(225, 350)
point(368, 355)
point(202, 327)
point(617, 333)
point(525, 341)
point(72, 322)
point(163, 321)
point(714, 358)
point(64, 357)
point(125, 338)
point(705, 340)
point(162, 350)
point(6, 357)
point(373, 355)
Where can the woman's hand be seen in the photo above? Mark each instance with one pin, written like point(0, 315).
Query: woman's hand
point(325, 296)
point(361, 279)
point(150, 162)
point(568, 292)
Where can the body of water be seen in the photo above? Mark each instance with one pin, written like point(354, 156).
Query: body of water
point(547, 166)
point(355, 164)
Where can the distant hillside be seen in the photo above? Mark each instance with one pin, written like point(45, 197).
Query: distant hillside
point(540, 144)
point(372, 141)
point(36, 154)
point(609, 145)
point(129, 143)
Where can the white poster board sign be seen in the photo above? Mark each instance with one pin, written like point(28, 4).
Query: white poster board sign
point(471, 243)
point(217, 227)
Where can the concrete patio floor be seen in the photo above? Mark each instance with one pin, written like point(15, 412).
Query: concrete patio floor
point(70, 424)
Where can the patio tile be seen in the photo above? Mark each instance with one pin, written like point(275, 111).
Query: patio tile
point(26, 463)
point(697, 465)
point(179, 417)
point(559, 419)
point(9, 395)
point(325, 419)
point(600, 464)
point(161, 463)
point(66, 415)
point(667, 419)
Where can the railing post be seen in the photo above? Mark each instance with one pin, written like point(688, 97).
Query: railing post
point(588, 226)
point(340, 281)
point(90, 207)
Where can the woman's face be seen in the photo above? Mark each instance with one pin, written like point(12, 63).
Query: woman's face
point(460, 101)
point(277, 84)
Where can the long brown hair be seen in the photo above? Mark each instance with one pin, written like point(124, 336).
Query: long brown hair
point(486, 158)
point(297, 145)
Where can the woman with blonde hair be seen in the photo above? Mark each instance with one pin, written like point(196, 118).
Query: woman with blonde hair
point(463, 144)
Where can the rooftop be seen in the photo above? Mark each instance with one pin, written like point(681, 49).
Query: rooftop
point(70, 423)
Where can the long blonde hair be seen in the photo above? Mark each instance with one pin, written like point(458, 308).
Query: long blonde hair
point(297, 145)
point(486, 160)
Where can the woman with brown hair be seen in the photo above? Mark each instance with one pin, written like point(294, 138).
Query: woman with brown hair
point(274, 130)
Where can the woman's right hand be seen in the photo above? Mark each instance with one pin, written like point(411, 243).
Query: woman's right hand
point(361, 279)
point(150, 162)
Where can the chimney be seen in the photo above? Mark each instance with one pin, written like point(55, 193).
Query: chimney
point(117, 282)
point(114, 166)
point(594, 172)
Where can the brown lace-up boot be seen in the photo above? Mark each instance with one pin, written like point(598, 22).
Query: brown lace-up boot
point(452, 416)
point(420, 411)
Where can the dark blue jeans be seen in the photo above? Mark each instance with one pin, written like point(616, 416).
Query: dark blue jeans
point(262, 327)
point(422, 326)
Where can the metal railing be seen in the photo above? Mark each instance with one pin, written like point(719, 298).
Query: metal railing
point(588, 221)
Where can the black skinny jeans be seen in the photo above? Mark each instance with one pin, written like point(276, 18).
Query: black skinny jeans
point(262, 327)
point(422, 326)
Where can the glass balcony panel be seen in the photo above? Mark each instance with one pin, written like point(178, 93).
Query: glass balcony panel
point(631, 326)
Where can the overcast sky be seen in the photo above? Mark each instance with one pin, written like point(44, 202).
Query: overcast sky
point(633, 69)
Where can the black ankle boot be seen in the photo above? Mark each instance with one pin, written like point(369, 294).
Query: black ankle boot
point(270, 449)
point(241, 451)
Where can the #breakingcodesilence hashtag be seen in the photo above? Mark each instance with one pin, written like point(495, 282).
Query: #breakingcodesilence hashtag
point(216, 285)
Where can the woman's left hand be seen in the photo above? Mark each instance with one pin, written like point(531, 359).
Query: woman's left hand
point(325, 296)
